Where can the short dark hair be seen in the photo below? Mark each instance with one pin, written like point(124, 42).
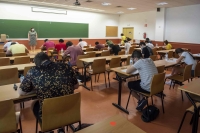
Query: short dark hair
point(40, 57)
point(142, 43)
point(128, 39)
point(107, 40)
point(61, 40)
point(125, 41)
point(122, 34)
point(166, 42)
point(136, 54)
point(179, 50)
point(69, 43)
point(45, 40)
point(96, 43)
point(80, 40)
point(13, 43)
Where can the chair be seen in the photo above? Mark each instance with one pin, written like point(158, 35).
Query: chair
point(105, 53)
point(79, 63)
point(154, 51)
point(175, 55)
point(121, 52)
point(98, 67)
point(114, 62)
point(197, 70)
point(170, 54)
point(160, 69)
point(9, 76)
point(179, 79)
point(20, 54)
point(2, 54)
point(189, 110)
point(26, 69)
point(85, 46)
point(160, 48)
point(22, 60)
point(91, 54)
point(9, 119)
point(1, 50)
point(153, 57)
point(49, 51)
point(4, 61)
point(89, 49)
point(128, 60)
point(157, 87)
point(59, 112)
point(131, 49)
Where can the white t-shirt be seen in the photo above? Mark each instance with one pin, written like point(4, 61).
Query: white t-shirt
point(188, 59)
point(150, 45)
point(147, 70)
point(127, 47)
point(7, 45)
point(82, 44)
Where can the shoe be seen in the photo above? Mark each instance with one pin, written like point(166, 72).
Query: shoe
point(61, 130)
point(141, 104)
point(168, 82)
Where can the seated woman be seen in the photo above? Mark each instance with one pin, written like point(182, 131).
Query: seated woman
point(168, 46)
point(187, 58)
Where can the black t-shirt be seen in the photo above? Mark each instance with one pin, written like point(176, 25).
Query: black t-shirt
point(145, 52)
point(116, 49)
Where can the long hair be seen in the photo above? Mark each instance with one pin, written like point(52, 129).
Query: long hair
point(180, 50)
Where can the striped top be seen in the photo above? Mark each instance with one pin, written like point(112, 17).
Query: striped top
point(147, 70)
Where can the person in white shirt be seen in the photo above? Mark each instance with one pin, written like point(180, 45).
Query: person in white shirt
point(7, 45)
point(150, 45)
point(127, 46)
point(82, 43)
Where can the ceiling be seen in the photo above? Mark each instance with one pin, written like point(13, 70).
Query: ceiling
point(96, 6)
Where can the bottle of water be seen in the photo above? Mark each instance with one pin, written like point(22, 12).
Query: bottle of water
point(21, 78)
point(62, 51)
point(131, 61)
point(166, 56)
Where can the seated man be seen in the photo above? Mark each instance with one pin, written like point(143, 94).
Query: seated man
point(74, 51)
point(48, 79)
point(16, 48)
point(146, 51)
point(149, 44)
point(7, 45)
point(82, 43)
point(60, 46)
point(108, 43)
point(47, 44)
point(147, 70)
point(99, 46)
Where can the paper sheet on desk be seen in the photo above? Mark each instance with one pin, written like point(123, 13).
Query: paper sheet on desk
point(171, 60)
point(135, 72)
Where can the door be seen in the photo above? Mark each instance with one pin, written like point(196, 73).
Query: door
point(128, 32)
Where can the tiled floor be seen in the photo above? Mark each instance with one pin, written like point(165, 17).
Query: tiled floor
point(97, 105)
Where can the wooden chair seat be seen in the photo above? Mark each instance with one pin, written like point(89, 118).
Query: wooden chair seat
point(178, 78)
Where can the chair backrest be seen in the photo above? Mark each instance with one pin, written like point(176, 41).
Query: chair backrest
point(20, 54)
point(115, 62)
point(170, 54)
point(9, 76)
point(22, 60)
point(99, 66)
point(154, 51)
point(131, 49)
point(153, 57)
point(26, 69)
point(91, 54)
point(128, 60)
point(157, 83)
point(8, 122)
point(187, 72)
point(79, 63)
point(2, 54)
point(89, 49)
point(160, 69)
point(105, 53)
point(4, 61)
point(85, 46)
point(175, 55)
point(60, 111)
point(49, 53)
point(197, 70)
point(121, 52)
point(1, 50)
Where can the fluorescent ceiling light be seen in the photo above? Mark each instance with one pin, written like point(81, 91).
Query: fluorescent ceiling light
point(131, 8)
point(120, 12)
point(48, 10)
point(162, 3)
point(106, 4)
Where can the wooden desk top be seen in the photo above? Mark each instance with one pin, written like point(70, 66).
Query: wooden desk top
point(108, 58)
point(97, 52)
point(165, 51)
point(7, 92)
point(20, 66)
point(86, 48)
point(114, 124)
point(137, 49)
point(196, 55)
point(192, 87)
point(13, 57)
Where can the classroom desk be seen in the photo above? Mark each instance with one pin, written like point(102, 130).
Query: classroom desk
point(121, 76)
point(89, 61)
point(84, 49)
point(7, 92)
point(196, 56)
point(193, 88)
point(20, 67)
point(98, 53)
point(139, 49)
point(114, 124)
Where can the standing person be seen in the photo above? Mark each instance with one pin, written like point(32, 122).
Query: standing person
point(99, 46)
point(127, 46)
point(168, 46)
point(32, 37)
point(82, 43)
point(146, 51)
point(47, 44)
point(60, 46)
point(123, 38)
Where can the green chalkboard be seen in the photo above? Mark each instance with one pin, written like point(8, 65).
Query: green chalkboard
point(20, 28)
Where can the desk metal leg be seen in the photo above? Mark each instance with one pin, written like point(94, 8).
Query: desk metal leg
point(85, 67)
point(118, 105)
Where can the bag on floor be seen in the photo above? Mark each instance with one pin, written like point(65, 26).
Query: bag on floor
point(81, 77)
point(151, 115)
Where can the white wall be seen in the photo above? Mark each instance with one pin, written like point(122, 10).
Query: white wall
point(97, 21)
point(160, 25)
point(183, 24)
point(138, 20)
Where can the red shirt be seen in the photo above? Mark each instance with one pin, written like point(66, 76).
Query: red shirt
point(60, 46)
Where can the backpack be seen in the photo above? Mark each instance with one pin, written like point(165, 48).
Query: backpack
point(150, 50)
point(81, 77)
point(151, 115)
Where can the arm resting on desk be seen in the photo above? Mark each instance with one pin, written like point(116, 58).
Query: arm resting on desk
point(130, 69)
point(179, 59)
point(22, 93)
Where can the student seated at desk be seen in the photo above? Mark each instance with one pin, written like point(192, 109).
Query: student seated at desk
point(7, 45)
point(149, 44)
point(16, 48)
point(146, 51)
point(108, 43)
point(47, 44)
point(127, 46)
point(168, 46)
point(115, 48)
point(147, 70)
point(48, 79)
point(187, 58)
point(99, 46)
point(60, 45)
point(82, 43)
